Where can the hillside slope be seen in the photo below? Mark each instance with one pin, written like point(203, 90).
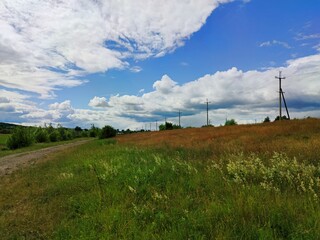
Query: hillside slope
point(296, 138)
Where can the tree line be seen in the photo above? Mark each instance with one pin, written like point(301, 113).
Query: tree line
point(22, 136)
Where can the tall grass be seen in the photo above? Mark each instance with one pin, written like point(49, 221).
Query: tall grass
point(3, 139)
point(107, 190)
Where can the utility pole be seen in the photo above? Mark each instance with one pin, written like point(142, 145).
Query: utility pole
point(150, 127)
point(280, 94)
point(207, 102)
point(179, 118)
point(156, 125)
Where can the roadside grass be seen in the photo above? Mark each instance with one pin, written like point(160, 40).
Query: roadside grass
point(3, 140)
point(106, 189)
point(4, 151)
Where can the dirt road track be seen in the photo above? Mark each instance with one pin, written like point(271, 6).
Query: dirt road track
point(9, 164)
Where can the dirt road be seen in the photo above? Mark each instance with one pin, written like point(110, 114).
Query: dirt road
point(10, 163)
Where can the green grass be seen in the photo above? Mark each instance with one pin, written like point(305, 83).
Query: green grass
point(3, 140)
point(4, 151)
point(105, 190)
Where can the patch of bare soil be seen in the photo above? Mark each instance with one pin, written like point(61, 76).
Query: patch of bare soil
point(9, 164)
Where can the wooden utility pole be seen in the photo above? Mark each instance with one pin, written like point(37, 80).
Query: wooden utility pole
point(280, 94)
point(179, 118)
point(207, 102)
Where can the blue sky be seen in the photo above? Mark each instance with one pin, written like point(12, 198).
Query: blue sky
point(129, 64)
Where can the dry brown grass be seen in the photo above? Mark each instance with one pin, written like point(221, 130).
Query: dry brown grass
point(296, 138)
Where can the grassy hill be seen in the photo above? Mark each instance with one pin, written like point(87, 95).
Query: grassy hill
point(6, 128)
point(238, 182)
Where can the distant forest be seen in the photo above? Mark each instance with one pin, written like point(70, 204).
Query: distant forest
point(7, 127)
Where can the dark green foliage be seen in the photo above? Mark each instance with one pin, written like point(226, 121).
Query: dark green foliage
point(204, 126)
point(168, 126)
point(78, 129)
point(63, 136)
point(107, 132)
point(267, 119)
point(54, 136)
point(93, 132)
point(77, 132)
point(41, 135)
point(7, 128)
point(84, 134)
point(49, 128)
point(284, 117)
point(230, 122)
point(21, 137)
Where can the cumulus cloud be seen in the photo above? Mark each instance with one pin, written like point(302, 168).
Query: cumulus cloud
point(165, 85)
point(245, 96)
point(233, 93)
point(98, 102)
point(48, 45)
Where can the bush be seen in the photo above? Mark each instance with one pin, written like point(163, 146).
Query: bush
point(21, 137)
point(54, 136)
point(284, 117)
point(266, 120)
point(230, 122)
point(41, 135)
point(107, 132)
point(168, 126)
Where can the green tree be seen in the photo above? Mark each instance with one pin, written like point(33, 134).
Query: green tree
point(266, 120)
point(41, 135)
point(54, 136)
point(284, 117)
point(21, 137)
point(230, 122)
point(107, 132)
point(94, 131)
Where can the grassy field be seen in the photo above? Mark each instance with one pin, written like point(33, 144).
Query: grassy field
point(238, 182)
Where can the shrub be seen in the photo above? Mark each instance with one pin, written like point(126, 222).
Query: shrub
point(54, 136)
point(230, 122)
point(41, 135)
point(62, 133)
point(107, 132)
point(284, 117)
point(266, 120)
point(85, 134)
point(21, 137)
point(168, 126)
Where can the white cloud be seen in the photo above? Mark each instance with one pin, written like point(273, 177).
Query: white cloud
point(317, 47)
point(98, 102)
point(245, 96)
point(275, 42)
point(48, 45)
point(64, 106)
point(136, 69)
point(301, 36)
point(165, 85)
